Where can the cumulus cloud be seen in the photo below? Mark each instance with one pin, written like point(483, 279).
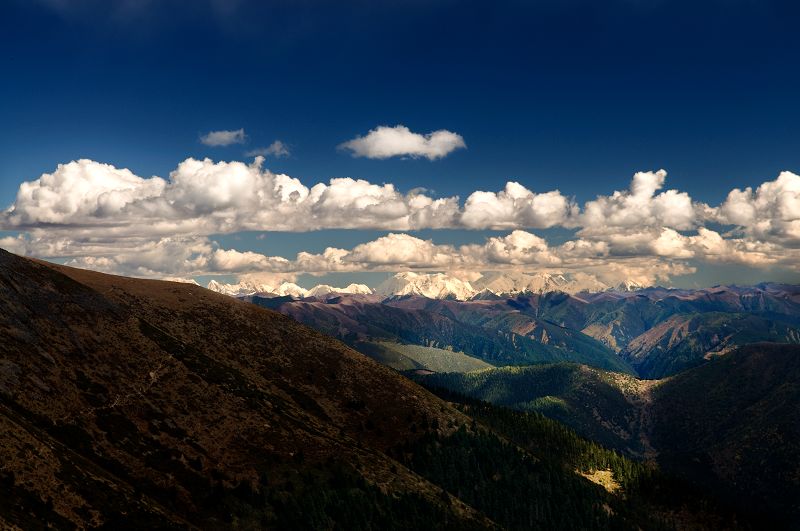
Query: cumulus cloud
point(516, 206)
point(402, 250)
point(102, 217)
point(640, 206)
point(154, 259)
point(223, 138)
point(15, 244)
point(770, 212)
point(277, 149)
point(205, 197)
point(385, 142)
point(711, 246)
point(658, 257)
point(233, 261)
point(80, 191)
point(517, 248)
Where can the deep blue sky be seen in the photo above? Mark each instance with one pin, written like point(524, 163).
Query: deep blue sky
point(575, 95)
point(555, 94)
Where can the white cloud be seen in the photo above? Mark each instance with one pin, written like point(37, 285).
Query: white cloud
point(154, 259)
point(385, 142)
point(204, 197)
point(103, 217)
point(639, 206)
point(15, 244)
point(223, 138)
point(403, 250)
point(517, 248)
point(516, 206)
point(645, 258)
point(83, 191)
point(771, 212)
point(277, 149)
point(230, 261)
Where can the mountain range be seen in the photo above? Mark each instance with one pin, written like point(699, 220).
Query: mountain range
point(131, 404)
point(651, 333)
point(438, 286)
point(250, 287)
point(139, 404)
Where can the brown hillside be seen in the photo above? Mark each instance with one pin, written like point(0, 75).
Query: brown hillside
point(121, 396)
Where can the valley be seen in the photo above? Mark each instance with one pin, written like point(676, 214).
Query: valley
point(730, 425)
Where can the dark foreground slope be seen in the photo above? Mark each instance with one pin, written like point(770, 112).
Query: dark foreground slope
point(158, 401)
point(149, 405)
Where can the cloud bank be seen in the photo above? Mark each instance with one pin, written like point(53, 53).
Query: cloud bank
point(102, 217)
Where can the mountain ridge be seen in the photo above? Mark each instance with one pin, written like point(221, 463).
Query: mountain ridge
point(437, 286)
point(142, 404)
point(151, 363)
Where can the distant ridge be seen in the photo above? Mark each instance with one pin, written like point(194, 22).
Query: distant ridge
point(248, 287)
point(436, 286)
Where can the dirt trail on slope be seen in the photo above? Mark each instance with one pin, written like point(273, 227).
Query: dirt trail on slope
point(639, 394)
point(643, 400)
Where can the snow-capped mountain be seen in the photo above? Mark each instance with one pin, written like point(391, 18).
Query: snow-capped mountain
point(290, 288)
point(437, 286)
point(323, 290)
point(628, 285)
point(513, 283)
point(431, 285)
point(181, 280)
point(247, 287)
point(443, 286)
point(242, 288)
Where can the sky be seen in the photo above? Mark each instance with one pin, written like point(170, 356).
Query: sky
point(320, 141)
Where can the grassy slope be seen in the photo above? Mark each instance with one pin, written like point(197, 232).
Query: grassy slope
point(597, 404)
point(408, 357)
point(173, 405)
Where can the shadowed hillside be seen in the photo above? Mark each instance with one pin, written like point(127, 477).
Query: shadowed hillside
point(731, 425)
point(736, 423)
point(159, 400)
point(685, 341)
